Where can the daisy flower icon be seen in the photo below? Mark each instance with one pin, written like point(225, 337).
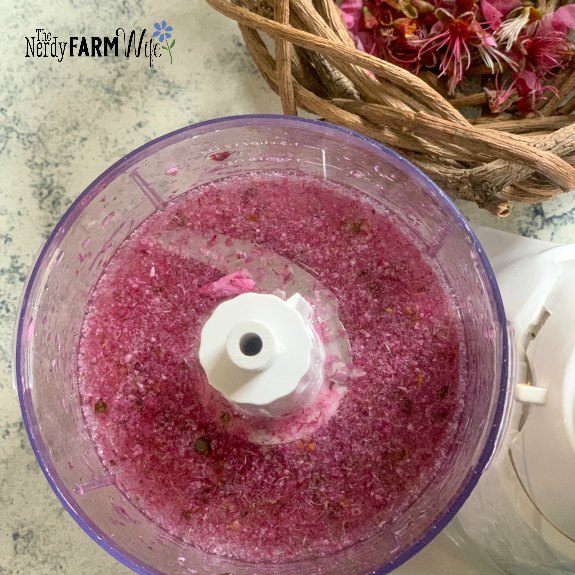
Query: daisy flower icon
point(163, 33)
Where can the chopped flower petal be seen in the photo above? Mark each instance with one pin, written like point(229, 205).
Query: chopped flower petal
point(235, 283)
point(185, 459)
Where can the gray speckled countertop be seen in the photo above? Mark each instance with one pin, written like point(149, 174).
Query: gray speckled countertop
point(62, 124)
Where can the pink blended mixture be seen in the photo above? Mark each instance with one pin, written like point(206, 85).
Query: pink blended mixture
point(182, 460)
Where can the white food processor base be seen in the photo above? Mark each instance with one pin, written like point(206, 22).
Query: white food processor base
point(519, 518)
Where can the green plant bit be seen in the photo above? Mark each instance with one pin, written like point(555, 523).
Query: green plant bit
point(203, 445)
point(100, 406)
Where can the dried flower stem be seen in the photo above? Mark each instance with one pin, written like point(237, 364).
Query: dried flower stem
point(283, 55)
point(330, 13)
point(468, 100)
point(526, 125)
point(568, 108)
point(506, 146)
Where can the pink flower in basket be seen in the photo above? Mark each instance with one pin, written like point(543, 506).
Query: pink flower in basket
point(522, 46)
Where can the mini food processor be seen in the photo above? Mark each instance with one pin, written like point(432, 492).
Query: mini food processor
point(263, 332)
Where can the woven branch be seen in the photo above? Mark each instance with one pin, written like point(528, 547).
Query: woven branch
point(491, 160)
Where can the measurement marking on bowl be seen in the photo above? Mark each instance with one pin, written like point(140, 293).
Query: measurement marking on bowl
point(148, 190)
point(324, 166)
point(323, 163)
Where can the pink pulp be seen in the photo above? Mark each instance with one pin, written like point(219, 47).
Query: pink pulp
point(180, 458)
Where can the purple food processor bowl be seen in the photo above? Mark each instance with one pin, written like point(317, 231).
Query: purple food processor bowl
point(117, 202)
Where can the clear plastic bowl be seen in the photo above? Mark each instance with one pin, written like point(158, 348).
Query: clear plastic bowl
point(77, 251)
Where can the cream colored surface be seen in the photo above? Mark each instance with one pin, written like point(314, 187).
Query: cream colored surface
point(62, 124)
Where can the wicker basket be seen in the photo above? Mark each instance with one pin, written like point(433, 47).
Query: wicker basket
point(491, 160)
